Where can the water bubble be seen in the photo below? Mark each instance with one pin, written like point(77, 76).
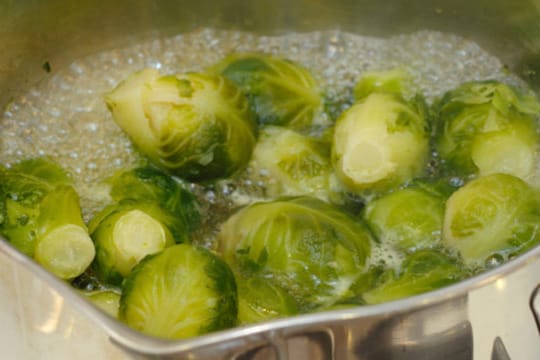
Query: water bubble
point(210, 196)
point(456, 182)
point(228, 189)
point(494, 261)
point(93, 127)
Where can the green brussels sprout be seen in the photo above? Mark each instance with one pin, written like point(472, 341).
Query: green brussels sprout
point(22, 189)
point(63, 245)
point(259, 300)
point(409, 218)
point(420, 272)
point(152, 211)
point(486, 128)
point(198, 126)
point(311, 249)
point(42, 217)
point(150, 184)
point(181, 292)
point(395, 81)
point(280, 91)
point(380, 142)
point(295, 164)
point(126, 232)
point(106, 300)
point(494, 215)
point(376, 274)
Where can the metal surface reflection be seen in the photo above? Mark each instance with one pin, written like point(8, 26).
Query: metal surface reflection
point(50, 324)
point(444, 327)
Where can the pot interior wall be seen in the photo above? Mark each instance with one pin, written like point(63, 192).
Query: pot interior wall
point(41, 36)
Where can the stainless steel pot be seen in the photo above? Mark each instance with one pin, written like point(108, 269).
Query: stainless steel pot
point(495, 315)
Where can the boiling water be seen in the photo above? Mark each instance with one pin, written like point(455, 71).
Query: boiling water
point(65, 117)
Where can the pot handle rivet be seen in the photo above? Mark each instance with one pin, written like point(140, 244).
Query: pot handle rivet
point(534, 303)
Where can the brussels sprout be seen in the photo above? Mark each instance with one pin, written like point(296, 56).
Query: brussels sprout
point(280, 91)
point(380, 142)
point(311, 249)
point(295, 164)
point(375, 275)
point(126, 232)
point(22, 188)
point(149, 184)
point(153, 211)
point(395, 81)
point(198, 126)
point(32, 178)
point(420, 272)
point(181, 292)
point(409, 218)
point(486, 128)
point(63, 245)
point(42, 217)
point(260, 299)
point(106, 300)
point(493, 215)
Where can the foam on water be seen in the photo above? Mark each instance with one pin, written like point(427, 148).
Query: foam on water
point(65, 117)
